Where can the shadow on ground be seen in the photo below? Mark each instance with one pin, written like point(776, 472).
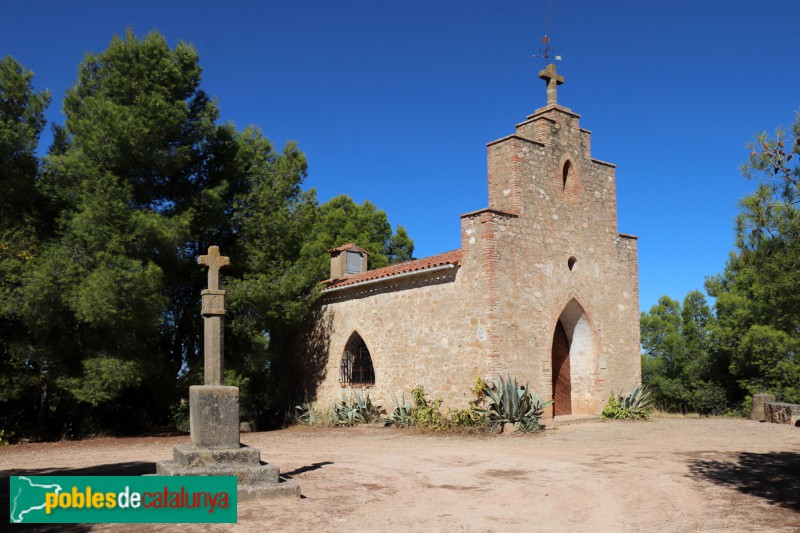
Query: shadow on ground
point(773, 476)
point(135, 468)
point(302, 469)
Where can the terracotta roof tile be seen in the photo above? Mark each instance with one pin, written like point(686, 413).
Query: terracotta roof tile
point(348, 246)
point(448, 258)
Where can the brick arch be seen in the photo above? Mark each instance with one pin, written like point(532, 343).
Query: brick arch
point(356, 367)
point(581, 362)
point(569, 179)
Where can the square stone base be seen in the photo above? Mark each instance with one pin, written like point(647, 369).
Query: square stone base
point(254, 479)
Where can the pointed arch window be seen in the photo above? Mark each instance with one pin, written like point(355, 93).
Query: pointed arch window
point(356, 368)
point(566, 173)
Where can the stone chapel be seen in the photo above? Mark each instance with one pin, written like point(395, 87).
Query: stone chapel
point(543, 287)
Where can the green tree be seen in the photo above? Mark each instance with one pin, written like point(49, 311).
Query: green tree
point(680, 364)
point(400, 247)
point(340, 221)
point(751, 342)
point(21, 124)
point(273, 217)
point(758, 294)
point(269, 290)
point(101, 290)
point(143, 179)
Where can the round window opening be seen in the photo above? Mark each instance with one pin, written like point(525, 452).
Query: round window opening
point(571, 262)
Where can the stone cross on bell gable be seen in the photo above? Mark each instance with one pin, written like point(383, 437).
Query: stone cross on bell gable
point(213, 312)
point(553, 80)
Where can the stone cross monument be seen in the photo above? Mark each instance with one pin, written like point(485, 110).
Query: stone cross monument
point(213, 312)
point(214, 448)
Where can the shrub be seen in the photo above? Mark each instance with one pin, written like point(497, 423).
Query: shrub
point(307, 414)
point(402, 415)
point(509, 402)
point(466, 418)
point(472, 417)
point(179, 414)
point(491, 405)
point(345, 414)
point(358, 409)
point(427, 413)
point(635, 405)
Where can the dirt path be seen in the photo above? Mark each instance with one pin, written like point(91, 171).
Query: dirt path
point(663, 475)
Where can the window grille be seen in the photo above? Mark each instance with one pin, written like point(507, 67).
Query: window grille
point(356, 368)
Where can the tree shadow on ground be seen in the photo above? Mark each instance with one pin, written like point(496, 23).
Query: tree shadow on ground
point(773, 476)
point(303, 469)
point(134, 468)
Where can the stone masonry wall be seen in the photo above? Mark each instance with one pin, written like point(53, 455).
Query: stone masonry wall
point(423, 329)
point(556, 222)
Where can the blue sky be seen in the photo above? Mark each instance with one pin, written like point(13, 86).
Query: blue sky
point(394, 102)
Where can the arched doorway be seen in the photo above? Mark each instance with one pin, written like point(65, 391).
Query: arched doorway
point(562, 386)
point(574, 362)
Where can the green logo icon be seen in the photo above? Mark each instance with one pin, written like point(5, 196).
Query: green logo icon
point(29, 497)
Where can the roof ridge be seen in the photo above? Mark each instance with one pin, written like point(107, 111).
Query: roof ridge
point(424, 263)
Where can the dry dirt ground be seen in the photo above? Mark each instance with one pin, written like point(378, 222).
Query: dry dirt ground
point(661, 475)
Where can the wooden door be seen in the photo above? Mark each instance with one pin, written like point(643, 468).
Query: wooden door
point(562, 389)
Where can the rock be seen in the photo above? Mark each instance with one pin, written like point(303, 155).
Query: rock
point(781, 413)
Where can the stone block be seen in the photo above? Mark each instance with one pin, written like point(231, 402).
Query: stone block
point(781, 413)
point(214, 416)
point(191, 455)
point(252, 482)
point(256, 491)
point(213, 302)
point(265, 473)
point(254, 479)
point(757, 411)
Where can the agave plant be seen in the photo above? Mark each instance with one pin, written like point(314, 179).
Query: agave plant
point(306, 414)
point(638, 400)
point(345, 413)
point(366, 410)
point(402, 414)
point(509, 402)
point(355, 410)
point(636, 405)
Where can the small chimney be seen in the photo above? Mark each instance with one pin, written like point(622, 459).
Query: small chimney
point(347, 260)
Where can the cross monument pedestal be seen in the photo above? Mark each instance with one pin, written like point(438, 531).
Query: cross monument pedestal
point(214, 448)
